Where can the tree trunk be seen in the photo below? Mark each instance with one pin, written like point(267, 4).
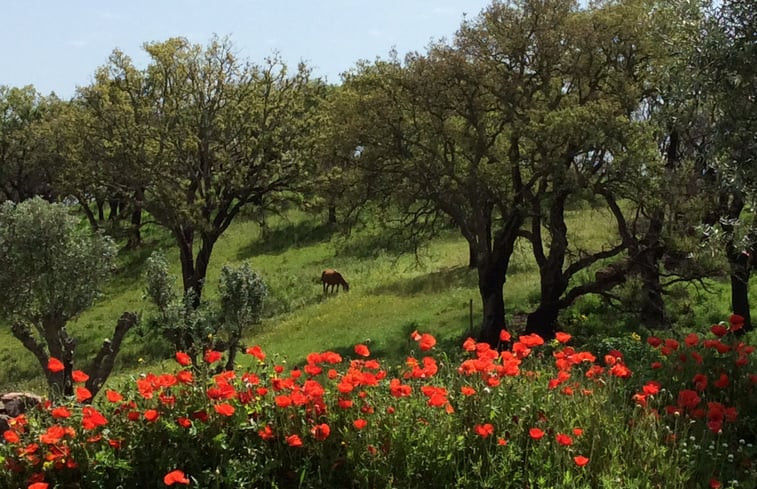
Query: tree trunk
point(88, 212)
point(135, 233)
point(100, 209)
point(652, 313)
point(739, 271)
point(543, 321)
point(472, 256)
point(332, 214)
point(491, 281)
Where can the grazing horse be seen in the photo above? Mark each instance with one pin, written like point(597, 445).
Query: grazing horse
point(331, 278)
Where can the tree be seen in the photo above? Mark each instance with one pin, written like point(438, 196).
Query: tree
point(728, 75)
point(23, 173)
point(51, 271)
point(205, 134)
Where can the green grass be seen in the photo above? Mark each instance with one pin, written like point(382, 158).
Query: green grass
point(390, 295)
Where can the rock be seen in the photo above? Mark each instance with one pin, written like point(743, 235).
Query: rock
point(14, 403)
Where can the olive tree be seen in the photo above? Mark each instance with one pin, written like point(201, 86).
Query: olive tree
point(50, 271)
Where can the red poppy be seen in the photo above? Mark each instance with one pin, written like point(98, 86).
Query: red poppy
point(580, 460)
point(53, 435)
point(256, 352)
point(484, 430)
point(11, 436)
point(113, 396)
point(175, 477)
point(692, 339)
point(715, 484)
point(183, 422)
point(185, 377)
point(151, 415)
point(320, 431)
point(467, 391)
point(578, 431)
point(212, 356)
point(562, 337)
point(426, 342)
point(183, 359)
point(564, 439)
point(266, 433)
point(688, 399)
point(79, 376)
point(722, 382)
point(736, 321)
point(224, 409)
point(536, 433)
point(651, 388)
point(54, 365)
point(531, 340)
point(345, 403)
point(82, 394)
point(359, 423)
point(92, 418)
point(718, 330)
point(60, 412)
point(362, 350)
point(39, 485)
point(504, 336)
point(501, 442)
point(654, 341)
point(294, 441)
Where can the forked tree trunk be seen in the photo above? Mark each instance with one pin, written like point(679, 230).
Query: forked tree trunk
point(739, 271)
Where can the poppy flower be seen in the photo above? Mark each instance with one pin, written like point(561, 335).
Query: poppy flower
point(44, 485)
point(60, 412)
point(467, 391)
point(484, 430)
point(736, 321)
point(175, 477)
point(92, 418)
point(359, 423)
point(82, 394)
point(54, 365)
point(11, 436)
point(113, 396)
point(151, 415)
point(580, 460)
point(531, 340)
point(294, 441)
point(722, 382)
point(654, 341)
point(564, 439)
point(718, 330)
point(362, 350)
point(536, 433)
point(715, 484)
point(183, 422)
point(426, 342)
point(320, 431)
point(562, 337)
point(79, 376)
point(212, 356)
point(501, 442)
point(224, 409)
point(256, 352)
point(183, 359)
point(578, 431)
point(504, 336)
point(266, 433)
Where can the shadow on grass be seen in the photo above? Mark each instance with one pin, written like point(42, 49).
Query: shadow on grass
point(286, 236)
point(432, 282)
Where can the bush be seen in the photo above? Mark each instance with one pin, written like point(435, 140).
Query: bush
point(520, 418)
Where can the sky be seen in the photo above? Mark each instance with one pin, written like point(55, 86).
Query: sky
point(57, 45)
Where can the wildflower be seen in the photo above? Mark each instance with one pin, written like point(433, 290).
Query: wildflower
point(224, 409)
point(501, 442)
point(531, 340)
point(426, 342)
point(691, 339)
point(54, 365)
point(113, 396)
point(256, 352)
point(536, 433)
point(504, 336)
point(362, 350)
point(183, 422)
point(175, 477)
point(562, 337)
point(83, 394)
point(151, 415)
point(715, 484)
point(688, 399)
point(580, 460)
point(718, 330)
point(294, 441)
point(39, 485)
point(564, 439)
point(11, 436)
point(79, 376)
point(578, 431)
point(484, 430)
point(60, 412)
point(183, 359)
point(320, 431)
point(266, 433)
point(92, 418)
point(467, 391)
point(736, 322)
point(185, 377)
point(654, 341)
point(722, 382)
point(359, 423)
point(212, 356)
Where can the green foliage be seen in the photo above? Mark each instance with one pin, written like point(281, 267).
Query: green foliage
point(241, 294)
point(50, 269)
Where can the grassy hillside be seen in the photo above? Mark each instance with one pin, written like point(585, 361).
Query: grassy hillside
point(389, 297)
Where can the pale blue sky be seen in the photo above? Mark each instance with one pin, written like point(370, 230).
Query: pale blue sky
point(56, 45)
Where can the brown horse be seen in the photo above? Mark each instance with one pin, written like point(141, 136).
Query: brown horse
point(332, 278)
